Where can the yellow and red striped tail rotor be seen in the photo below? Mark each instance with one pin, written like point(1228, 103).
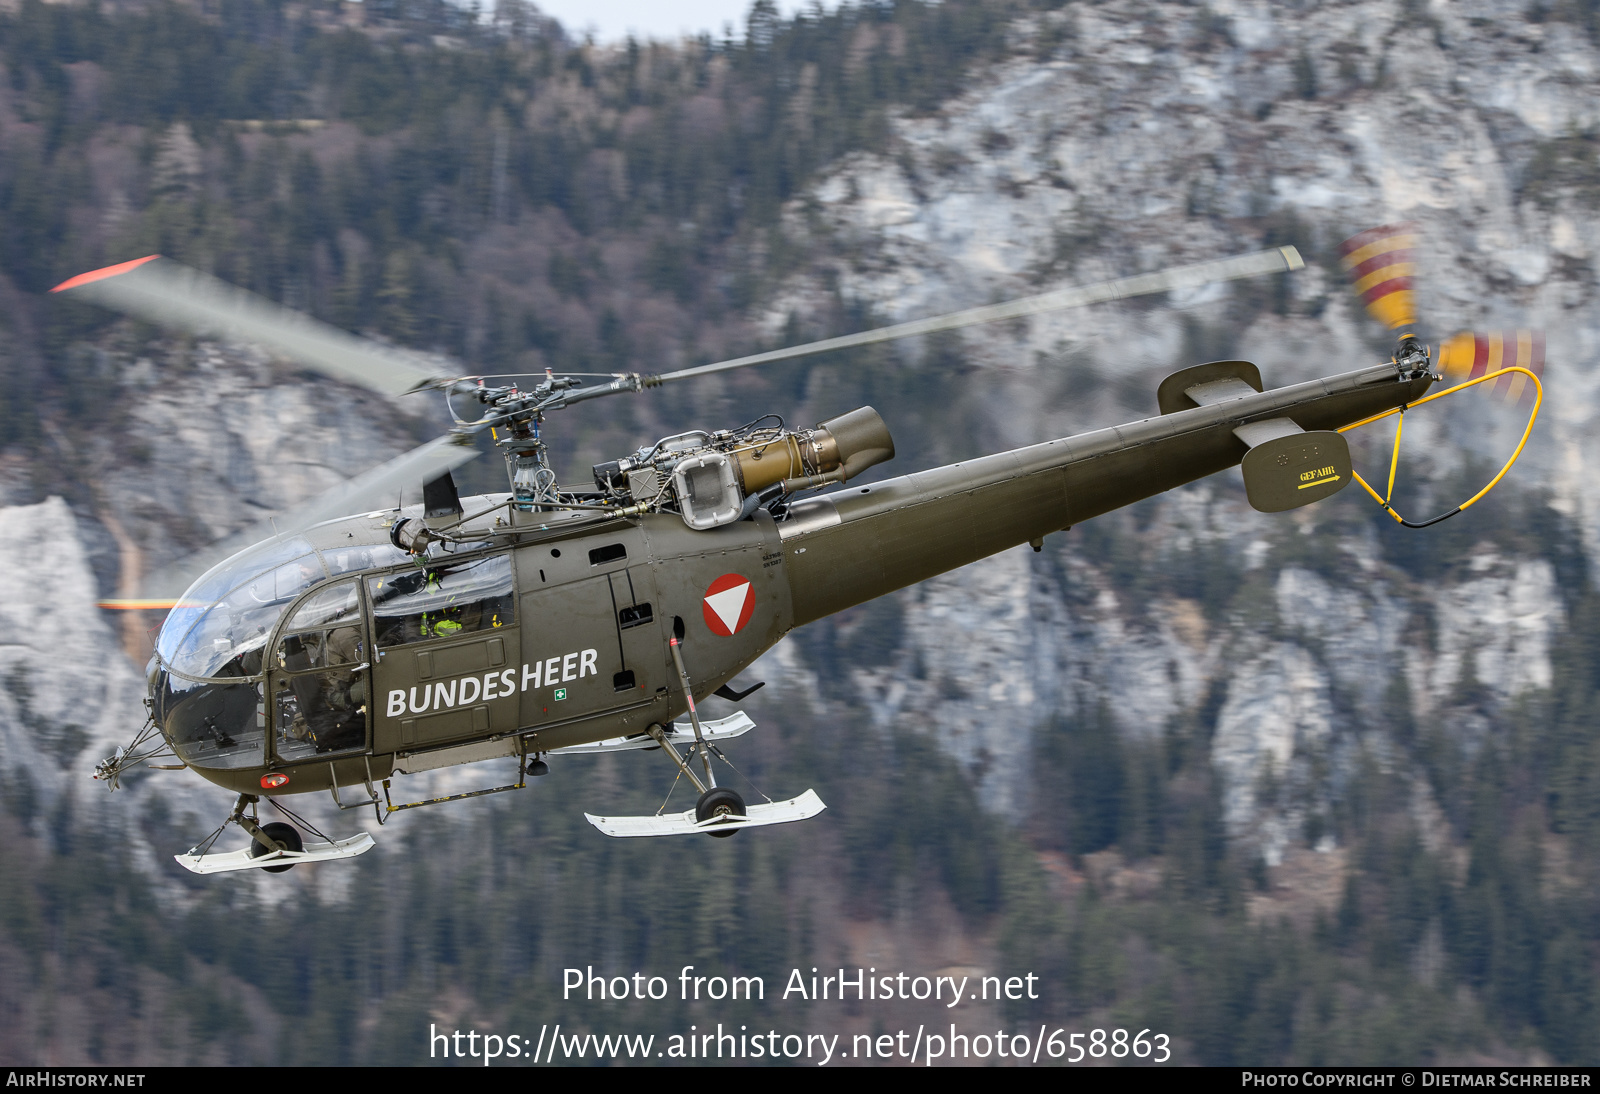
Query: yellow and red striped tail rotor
point(1381, 262)
point(1471, 354)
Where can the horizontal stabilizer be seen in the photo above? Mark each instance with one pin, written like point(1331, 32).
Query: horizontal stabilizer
point(241, 860)
point(1259, 433)
point(1208, 384)
point(807, 805)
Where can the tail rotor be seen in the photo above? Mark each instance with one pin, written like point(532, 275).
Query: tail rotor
point(1382, 264)
point(1469, 355)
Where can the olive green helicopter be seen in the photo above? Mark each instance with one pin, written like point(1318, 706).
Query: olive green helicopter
point(342, 645)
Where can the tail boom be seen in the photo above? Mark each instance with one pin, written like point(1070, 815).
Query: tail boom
point(856, 544)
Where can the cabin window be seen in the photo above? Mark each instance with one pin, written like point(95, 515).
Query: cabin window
point(366, 556)
point(446, 601)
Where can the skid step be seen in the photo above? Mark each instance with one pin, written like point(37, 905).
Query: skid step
point(807, 805)
point(241, 860)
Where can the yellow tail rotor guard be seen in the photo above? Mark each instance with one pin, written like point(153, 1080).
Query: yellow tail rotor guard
point(1394, 460)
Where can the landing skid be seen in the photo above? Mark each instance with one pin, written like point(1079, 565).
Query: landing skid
point(274, 847)
point(807, 805)
point(242, 859)
point(720, 811)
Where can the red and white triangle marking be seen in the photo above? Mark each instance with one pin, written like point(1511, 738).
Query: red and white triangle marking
point(729, 604)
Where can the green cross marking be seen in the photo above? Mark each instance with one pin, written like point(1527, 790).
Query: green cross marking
point(561, 693)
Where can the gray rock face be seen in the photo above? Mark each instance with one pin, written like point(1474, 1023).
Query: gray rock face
point(1153, 135)
point(214, 438)
point(222, 439)
point(1121, 137)
point(68, 696)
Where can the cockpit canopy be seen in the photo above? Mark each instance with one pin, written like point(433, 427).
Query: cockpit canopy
point(211, 653)
point(222, 624)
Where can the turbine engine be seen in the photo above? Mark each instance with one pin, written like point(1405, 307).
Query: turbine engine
point(711, 479)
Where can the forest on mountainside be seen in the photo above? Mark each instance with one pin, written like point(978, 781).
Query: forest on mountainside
point(491, 191)
point(498, 192)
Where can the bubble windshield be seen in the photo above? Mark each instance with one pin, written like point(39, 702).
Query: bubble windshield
point(219, 631)
point(229, 613)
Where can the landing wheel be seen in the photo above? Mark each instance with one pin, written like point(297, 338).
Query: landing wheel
point(719, 801)
point(285, 834)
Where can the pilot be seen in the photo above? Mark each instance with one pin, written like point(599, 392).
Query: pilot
point(345, 646)
point(325, 709)
point(346, 691)
point(342, 723)
point(444, 623)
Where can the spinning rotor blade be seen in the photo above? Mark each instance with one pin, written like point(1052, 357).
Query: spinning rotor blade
point(1471, 354)
point(375, 488)
point(169, 293)
point(1180, 277)
point(1381, 263)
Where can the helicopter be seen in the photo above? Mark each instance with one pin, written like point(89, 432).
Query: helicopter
point(343, 646)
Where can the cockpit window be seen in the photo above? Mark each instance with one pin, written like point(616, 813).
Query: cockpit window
point(220, 630)
point(251, 588)
point(213, 725)
point(238, 625)
point(371, 556)
point(442, 602)
point(325, 630)
point(321, 686)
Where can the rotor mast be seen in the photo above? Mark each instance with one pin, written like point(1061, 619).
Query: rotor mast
point(527, 462)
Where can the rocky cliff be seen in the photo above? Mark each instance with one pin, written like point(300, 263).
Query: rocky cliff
point(1161, 696)
point(1119, 137)
point(1131, 136)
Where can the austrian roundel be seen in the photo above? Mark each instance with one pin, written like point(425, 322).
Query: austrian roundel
point(729, 603)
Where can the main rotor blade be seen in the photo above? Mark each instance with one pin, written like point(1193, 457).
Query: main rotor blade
point(172, 294)
point(1180, 277)
point(372, 489)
